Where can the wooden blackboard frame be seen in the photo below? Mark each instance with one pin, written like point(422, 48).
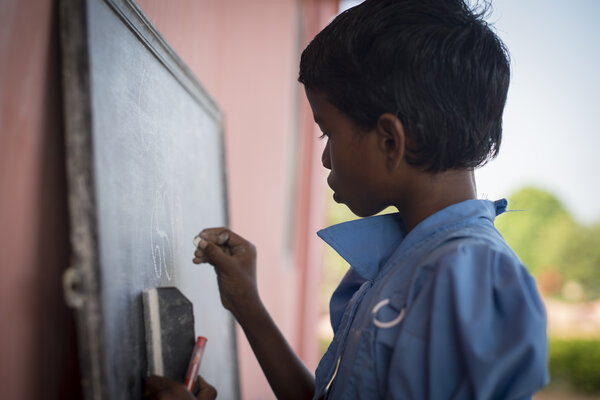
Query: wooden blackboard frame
point(82, 283)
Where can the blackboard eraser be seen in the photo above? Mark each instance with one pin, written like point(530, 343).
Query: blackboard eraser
point(169, 331)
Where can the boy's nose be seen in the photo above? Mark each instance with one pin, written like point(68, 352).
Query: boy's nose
point(325, 158)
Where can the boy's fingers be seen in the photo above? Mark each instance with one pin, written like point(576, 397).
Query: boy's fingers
point(156, 384)
point(223, 237)
point(200, 255)
point(207, 391)
point(228, 240)
point(215, 235)
point(215, 255)
point(160, 388)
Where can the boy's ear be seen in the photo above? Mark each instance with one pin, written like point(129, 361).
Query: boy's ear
point(392, 139)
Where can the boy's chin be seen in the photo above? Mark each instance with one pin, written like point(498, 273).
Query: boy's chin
point(362, 213)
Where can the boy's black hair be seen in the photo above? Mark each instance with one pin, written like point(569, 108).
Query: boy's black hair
point(435, 64)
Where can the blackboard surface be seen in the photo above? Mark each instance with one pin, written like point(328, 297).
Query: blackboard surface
point(146, 174)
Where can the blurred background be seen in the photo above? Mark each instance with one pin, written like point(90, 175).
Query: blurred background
point(246, 54)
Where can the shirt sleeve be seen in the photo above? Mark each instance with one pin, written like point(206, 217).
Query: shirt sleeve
point(479, 328)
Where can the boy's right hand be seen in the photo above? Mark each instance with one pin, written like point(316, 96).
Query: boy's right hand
point(234, 259)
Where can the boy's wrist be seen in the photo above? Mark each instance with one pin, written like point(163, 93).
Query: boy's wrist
point(251, 312)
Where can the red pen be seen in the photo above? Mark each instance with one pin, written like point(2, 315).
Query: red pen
point(194, 365)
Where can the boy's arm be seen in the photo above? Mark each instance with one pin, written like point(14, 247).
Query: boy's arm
point(234, 259)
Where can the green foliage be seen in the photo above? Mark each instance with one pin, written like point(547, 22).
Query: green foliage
point(551, 243)
point(576, 362)
point(580, 259)
point(538, 230)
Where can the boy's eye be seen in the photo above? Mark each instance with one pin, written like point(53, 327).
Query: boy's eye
point(323, 136)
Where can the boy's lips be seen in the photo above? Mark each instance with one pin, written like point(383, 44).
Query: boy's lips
point(336, 197)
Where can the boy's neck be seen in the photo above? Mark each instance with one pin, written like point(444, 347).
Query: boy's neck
point(429, 193)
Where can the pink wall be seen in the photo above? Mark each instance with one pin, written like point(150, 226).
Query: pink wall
point(246, 53)
point(37, 342)
point(310, 213)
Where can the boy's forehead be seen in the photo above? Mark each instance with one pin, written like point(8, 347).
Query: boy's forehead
point(319, 104)
point(326, 114)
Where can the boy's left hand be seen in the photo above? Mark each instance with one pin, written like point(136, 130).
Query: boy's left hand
point(160, 388)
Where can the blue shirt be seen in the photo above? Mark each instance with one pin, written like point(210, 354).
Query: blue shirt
point(447, 311)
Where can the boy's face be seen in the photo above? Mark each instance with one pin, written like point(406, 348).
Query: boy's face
point(352, 154)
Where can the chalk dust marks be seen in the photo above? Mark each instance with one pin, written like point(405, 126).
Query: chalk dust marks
point(164, 222)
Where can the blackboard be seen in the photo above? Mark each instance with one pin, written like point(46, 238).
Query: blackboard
point(146, 173)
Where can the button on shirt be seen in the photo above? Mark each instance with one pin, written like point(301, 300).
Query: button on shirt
point(446, 311)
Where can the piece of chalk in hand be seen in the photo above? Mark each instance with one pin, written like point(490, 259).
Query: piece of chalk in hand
point(197, 240)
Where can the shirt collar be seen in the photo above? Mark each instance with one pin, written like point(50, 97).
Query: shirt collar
point(367, 243)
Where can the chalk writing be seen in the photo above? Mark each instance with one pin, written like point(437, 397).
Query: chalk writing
point(162, 235)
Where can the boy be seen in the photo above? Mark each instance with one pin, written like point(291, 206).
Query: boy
point(409, 95)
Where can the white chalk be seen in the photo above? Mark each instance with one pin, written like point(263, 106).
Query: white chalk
point(197, 240)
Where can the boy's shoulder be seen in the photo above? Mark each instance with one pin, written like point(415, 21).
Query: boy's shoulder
point(477, 264)
point(460, 252)
point(477, 247)
point(468, 253)
point(481, 240)
point(467, 231)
